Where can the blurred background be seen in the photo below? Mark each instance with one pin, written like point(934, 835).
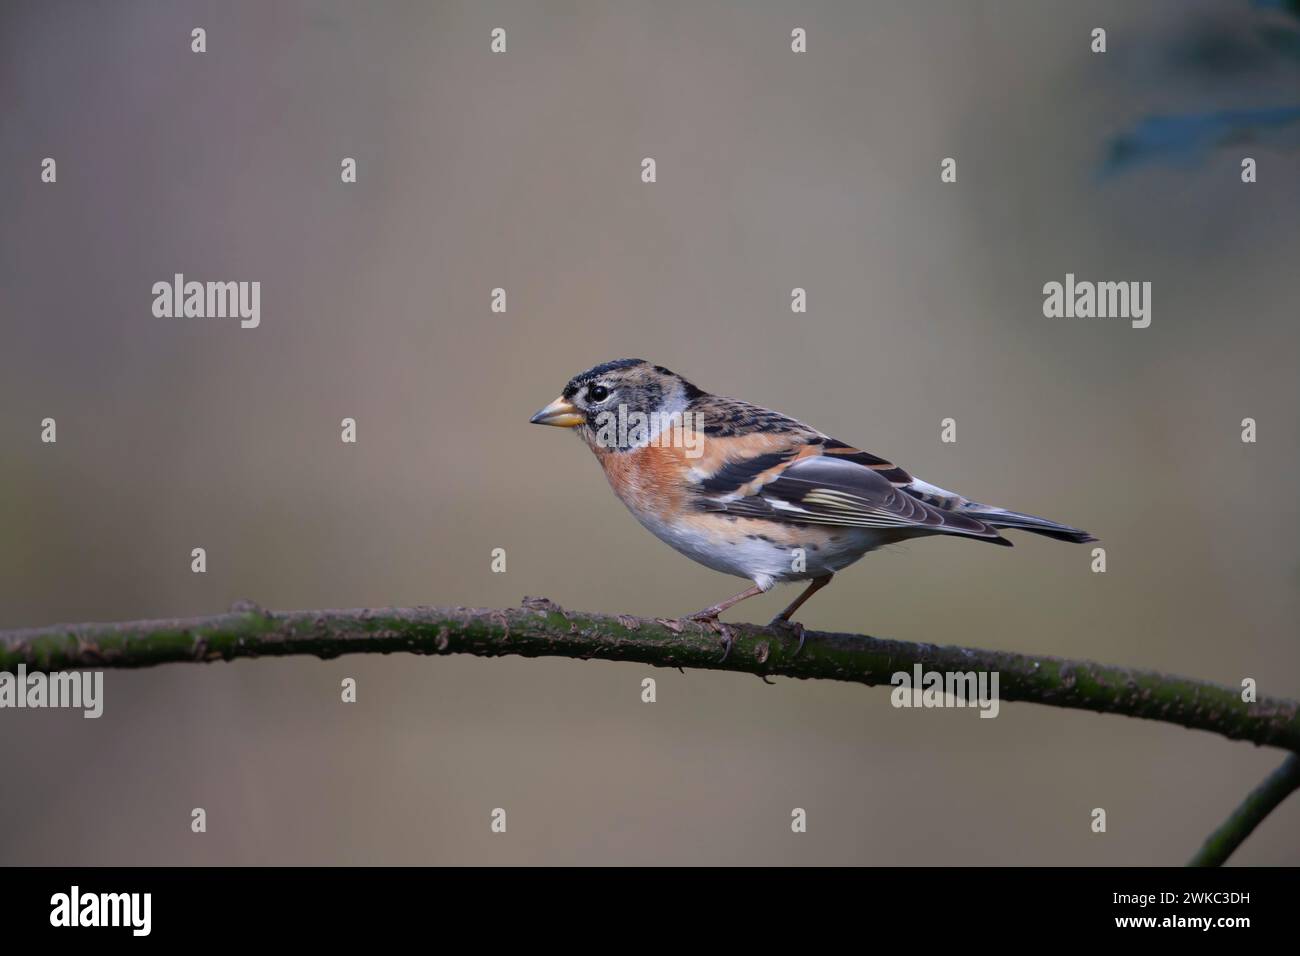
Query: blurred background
point(775, 170)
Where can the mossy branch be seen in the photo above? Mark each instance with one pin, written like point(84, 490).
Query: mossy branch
point(541, 628)
point(1258, 804)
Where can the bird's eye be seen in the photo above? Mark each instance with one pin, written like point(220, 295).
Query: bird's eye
point(597, 393)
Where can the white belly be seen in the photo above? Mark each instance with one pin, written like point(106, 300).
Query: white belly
point(749, 554)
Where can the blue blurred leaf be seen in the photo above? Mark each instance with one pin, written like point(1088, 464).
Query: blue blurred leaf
point(1185, 140)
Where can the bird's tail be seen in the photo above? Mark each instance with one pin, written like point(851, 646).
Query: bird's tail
point(1001, 518)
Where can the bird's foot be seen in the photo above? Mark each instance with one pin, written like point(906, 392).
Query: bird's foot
point(793, 627)
point(709, 618)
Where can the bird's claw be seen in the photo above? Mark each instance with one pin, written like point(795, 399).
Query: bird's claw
point(728, 639)
point(710, 620)
point(793, 627)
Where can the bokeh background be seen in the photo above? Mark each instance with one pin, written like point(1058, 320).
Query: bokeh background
point(522, 170)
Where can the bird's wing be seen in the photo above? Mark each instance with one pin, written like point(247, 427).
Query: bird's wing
point(813, 484)
point(887, 469)
point(941, 498)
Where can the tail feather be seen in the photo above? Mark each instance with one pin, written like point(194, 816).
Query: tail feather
point(1001, 518)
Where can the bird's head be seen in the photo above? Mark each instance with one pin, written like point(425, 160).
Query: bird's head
point(594, 400)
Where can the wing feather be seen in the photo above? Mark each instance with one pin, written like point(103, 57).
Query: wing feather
point(838, 491)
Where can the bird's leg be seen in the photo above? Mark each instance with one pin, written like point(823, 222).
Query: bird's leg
point(709, 617)
point(711, 613)
point(815, 585)
point(783, 619)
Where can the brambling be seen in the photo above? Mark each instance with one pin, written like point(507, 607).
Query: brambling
point(750, 492)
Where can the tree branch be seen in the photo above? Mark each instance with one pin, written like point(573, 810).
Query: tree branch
point(543, 629)
point(1276, 787)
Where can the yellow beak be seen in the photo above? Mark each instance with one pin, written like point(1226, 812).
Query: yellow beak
point(561, 413)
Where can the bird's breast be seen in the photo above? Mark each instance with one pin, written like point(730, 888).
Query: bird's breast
point(650, 480)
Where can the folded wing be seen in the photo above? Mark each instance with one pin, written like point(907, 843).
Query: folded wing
point(835, 490)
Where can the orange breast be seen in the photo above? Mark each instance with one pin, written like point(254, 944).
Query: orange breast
point(652, 479)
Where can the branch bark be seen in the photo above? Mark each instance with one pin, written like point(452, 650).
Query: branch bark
point(1259, 804)
point(541, 628)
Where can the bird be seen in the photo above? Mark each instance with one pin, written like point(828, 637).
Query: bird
point(754, 493)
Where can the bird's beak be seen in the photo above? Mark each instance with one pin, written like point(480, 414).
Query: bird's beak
point(561, 413)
